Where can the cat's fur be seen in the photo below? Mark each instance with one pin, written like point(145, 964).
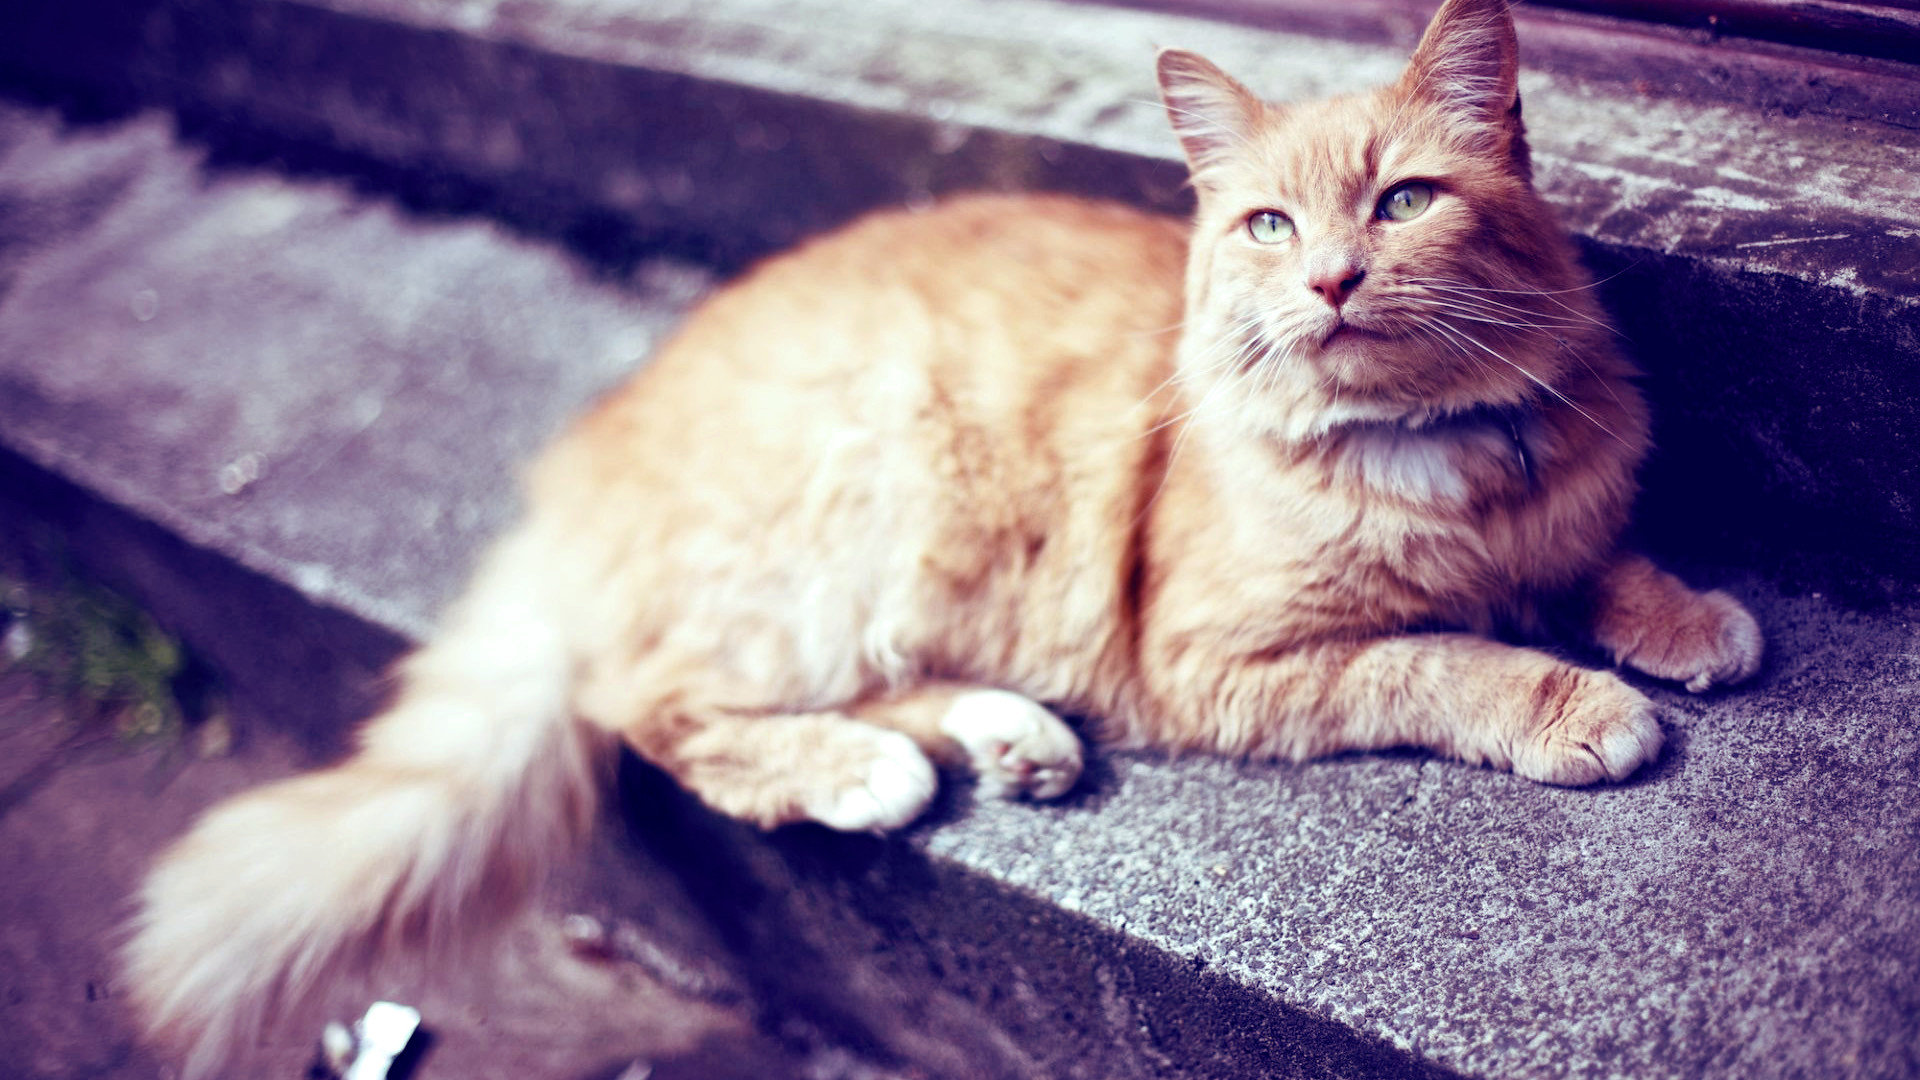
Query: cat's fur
point(904, 493)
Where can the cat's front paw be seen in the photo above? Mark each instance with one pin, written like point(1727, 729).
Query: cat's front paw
point(883, 787)
point(1591, 726)
point(1711, 640)
point(1015, 744)
point(1651, 621)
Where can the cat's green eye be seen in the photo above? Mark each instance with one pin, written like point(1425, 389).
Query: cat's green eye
point(1270, 227)
point(1404, 203)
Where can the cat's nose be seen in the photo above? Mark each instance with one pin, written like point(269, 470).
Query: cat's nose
point(1335, 281)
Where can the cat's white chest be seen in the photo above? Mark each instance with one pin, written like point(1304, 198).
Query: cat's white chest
point(1428, 466)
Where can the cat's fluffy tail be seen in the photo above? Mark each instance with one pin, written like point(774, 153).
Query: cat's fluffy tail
point(460, 793)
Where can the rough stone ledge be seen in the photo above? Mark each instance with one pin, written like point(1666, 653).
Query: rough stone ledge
point(576, 96)
point(1763, 259)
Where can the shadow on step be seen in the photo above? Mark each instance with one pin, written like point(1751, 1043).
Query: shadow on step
point(871, 944)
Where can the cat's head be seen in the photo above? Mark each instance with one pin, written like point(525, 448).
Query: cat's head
point(1377, 256)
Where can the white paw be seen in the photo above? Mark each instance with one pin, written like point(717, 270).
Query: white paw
point(1604, 731)
point(1709, 640)
point(1738, 644)
point(886, 791)
point(1016, 745)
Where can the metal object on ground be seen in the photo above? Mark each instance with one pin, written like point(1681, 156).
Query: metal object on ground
point(377, 1039)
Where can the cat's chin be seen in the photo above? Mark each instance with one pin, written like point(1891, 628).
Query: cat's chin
point(1358, 358)
point(1348, 335)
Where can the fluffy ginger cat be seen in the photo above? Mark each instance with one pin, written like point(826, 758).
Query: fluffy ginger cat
point(1255, 484)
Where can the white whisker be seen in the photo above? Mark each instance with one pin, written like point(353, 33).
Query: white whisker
point(1479, 294)
point(1473, 313)
point(1461, 333)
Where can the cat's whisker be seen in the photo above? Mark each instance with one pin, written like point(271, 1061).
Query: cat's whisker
point(1165, 384)
point(1443, 326)
point(1268, 367)
point(1474, 313)
point(1179, 440)
point(1182, 417)
point(1472, 298)
point(1267, 337)
point(1476, 287)
point(1399, 124)
point(1486, 311)
point(1454, 344)
point(1557, 292)
point(1170, 328)
point(1409, 105)
point(1602, 380)
point(1215, 360)
point(1449, 345)
point(1479, 295)
point(1550, 295)
point(1215, 357)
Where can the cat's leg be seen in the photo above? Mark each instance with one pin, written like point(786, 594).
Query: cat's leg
point(1016, 745)
point(773, 770)
point(1650, 620)
point(1463, 696)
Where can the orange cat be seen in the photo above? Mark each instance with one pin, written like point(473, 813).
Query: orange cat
point(1254, 484)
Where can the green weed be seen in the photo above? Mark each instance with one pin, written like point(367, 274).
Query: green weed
point(107, 659)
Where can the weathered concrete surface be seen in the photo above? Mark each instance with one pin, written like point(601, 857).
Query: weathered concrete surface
point(1747, 908)
point(1765, 253)
point(548, 94)
point(1750, 907)
point(292, 374)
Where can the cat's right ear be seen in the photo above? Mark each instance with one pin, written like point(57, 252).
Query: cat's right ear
point(1213, 115)
point(1468, 62)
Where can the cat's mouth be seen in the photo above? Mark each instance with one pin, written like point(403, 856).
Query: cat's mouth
point(1345, 331)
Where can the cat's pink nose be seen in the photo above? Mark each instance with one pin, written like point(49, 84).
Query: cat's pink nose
point(1335, 281)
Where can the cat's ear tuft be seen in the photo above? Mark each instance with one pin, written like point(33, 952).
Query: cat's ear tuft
point(1469, 62)
point(1211, 113)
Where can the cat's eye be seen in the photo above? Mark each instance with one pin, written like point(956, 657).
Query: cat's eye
point(1270, 226)
point(1404, 203)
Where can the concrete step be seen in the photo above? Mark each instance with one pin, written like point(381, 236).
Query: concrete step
point(292, 410)
point(1756, 214)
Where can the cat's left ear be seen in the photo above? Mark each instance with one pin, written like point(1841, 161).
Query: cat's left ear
point(1468, 63)
point(1213, 114)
